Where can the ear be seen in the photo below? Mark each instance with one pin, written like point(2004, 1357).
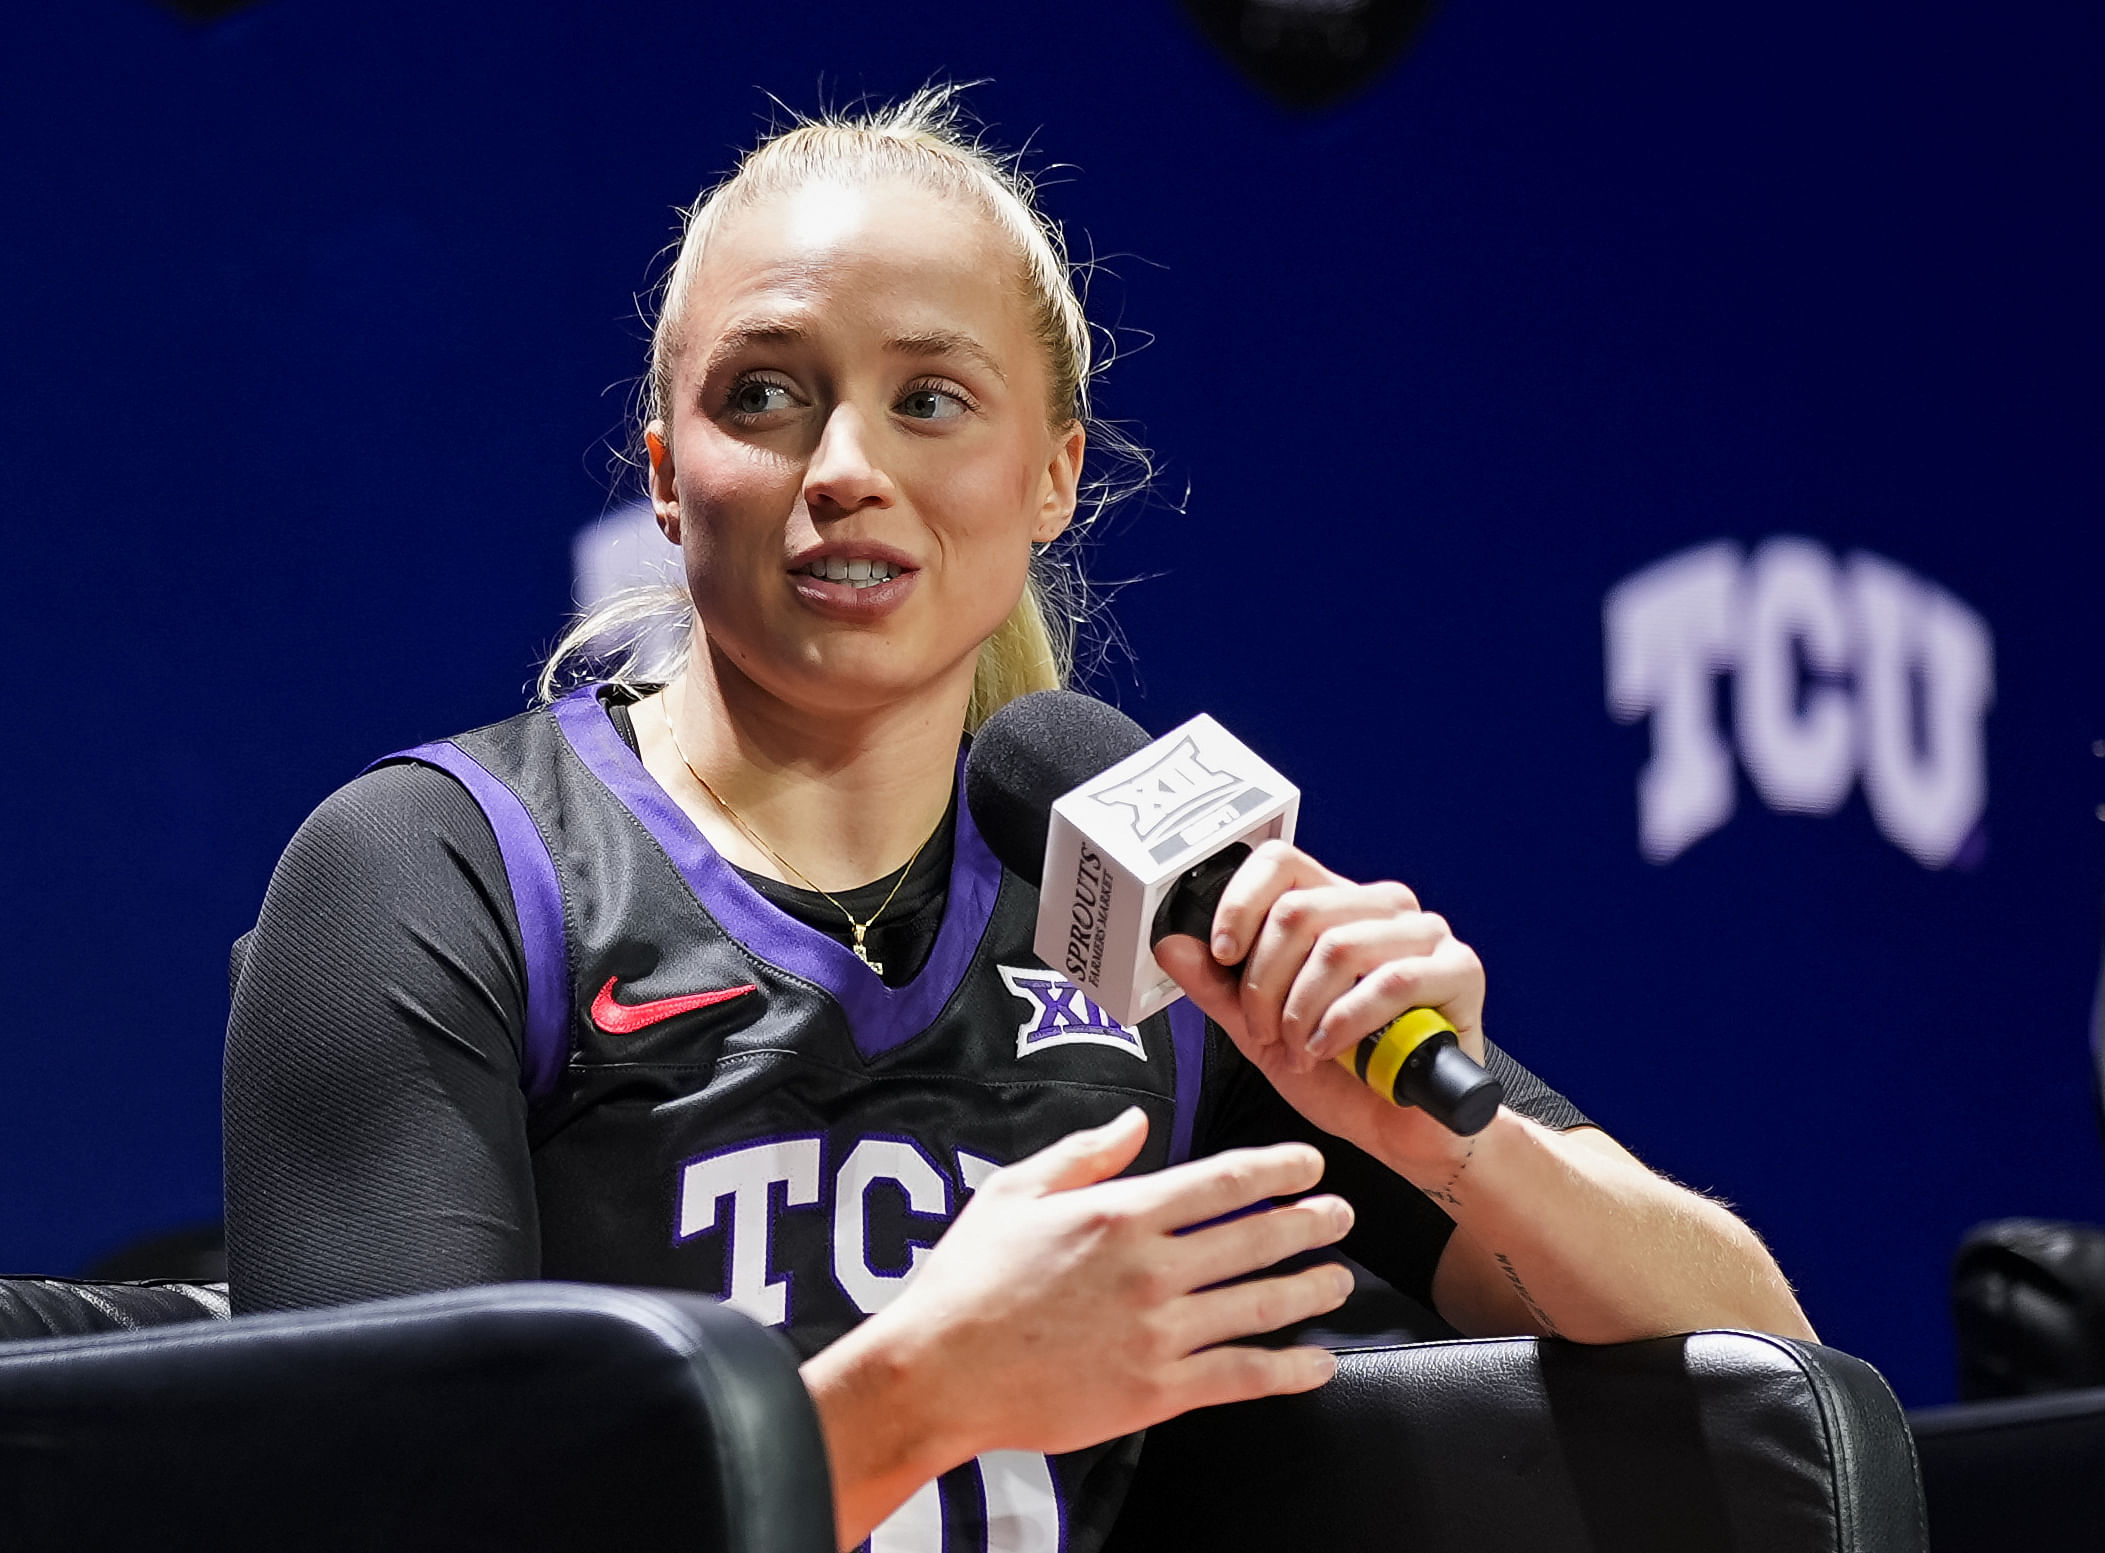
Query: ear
point(665, 490)
point(1063, 484)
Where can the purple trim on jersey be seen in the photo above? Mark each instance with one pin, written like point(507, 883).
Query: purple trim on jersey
point(879, 1017)
point(1187, 1037)
point(537, 900)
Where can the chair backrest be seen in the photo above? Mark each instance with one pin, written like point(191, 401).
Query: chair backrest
point(522, 1417)
point(2021, 1473)
point(74, 1307)
point(1716, 1442)
point(2097, 1036)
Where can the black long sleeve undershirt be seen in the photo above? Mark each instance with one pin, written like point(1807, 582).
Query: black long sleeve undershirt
point(377, 1135)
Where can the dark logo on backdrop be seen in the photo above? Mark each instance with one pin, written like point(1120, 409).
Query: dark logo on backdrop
point(1311, 53)
point(203, 11)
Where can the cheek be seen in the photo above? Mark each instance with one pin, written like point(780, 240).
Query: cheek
point(992, 503)
point(732, 502)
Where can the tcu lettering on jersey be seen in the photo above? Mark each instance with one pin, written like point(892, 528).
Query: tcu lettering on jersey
point(1061, 1016)
point(756, 1182)
point(1860, 670)
point(761, 1180)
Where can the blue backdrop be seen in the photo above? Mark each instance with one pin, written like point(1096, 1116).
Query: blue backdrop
point(319, 322)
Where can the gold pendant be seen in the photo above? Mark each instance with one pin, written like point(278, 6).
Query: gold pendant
point(863, 954)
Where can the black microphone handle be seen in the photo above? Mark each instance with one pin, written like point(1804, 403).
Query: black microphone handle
point(1413, 1060)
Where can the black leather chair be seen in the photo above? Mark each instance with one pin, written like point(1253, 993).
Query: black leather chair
point(532, 1416)
point(2015, 1463)
point(2020, 1473)
point(520, 1418)
point(1718, 1442)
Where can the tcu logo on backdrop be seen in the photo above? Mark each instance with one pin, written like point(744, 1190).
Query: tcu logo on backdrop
point(1839, 671)
point(1061, 1016)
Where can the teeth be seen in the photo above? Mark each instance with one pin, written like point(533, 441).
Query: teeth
point(858, 573)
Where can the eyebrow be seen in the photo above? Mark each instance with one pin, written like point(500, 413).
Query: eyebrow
point(945, 342)
point(743, 336)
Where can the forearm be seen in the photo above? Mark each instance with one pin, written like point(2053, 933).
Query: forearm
point(1567, 1234)
point(879, 1446)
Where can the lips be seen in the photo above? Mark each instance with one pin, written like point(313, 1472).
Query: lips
point(853, 582)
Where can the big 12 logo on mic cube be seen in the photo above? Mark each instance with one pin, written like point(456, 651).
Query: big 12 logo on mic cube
point(1121, 840)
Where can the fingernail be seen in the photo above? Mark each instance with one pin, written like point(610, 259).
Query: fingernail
point(1314, 1045)
point(1323, 1365)
point(1341, 1283)
point(1224, 947)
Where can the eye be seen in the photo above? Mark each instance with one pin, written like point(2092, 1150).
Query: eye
point(753, 397)
point(932, 402)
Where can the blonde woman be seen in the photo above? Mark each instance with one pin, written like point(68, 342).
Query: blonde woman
point(701, 977)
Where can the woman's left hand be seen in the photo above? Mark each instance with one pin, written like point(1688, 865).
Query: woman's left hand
point(1326, 962)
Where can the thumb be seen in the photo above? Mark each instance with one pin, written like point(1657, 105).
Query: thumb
point(1083, 1158)
point(1190, 964)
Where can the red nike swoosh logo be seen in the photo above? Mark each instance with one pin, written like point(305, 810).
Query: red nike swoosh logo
point(627, 1018)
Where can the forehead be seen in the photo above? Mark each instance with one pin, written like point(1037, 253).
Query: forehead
point(861, 261)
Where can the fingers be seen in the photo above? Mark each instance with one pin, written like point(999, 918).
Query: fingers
point(1222, 1251)
point(1205, 1189)
point(1237, 1374)
point(1449, 978)
point(1190, 964)
point(1268, 873)
point(1318, 943)
point(1339, 931)
point(1326, 962)
point(1262, 1305)
point(1080, 1159)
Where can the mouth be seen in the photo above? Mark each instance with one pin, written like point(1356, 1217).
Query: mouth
point(857, 572)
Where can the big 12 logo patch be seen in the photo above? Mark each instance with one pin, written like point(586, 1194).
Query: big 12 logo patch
point(1060, 1016)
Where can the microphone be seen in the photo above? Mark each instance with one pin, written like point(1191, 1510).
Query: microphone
point(1130, 840)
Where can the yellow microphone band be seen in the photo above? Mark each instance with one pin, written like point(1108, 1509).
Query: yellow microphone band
point(1380, 1057)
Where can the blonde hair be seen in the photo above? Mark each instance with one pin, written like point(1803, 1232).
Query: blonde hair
point(922, 140)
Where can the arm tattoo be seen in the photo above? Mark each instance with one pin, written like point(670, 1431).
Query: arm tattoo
point(1541, 1316)
point(1446, 1193)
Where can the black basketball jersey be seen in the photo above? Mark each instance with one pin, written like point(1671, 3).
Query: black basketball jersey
point(727, 1100)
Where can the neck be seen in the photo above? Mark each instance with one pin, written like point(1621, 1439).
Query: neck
point(843, 798)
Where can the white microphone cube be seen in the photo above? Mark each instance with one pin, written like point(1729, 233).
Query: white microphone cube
point(1118, 843)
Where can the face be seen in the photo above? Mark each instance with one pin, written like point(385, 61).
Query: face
point(859, 457)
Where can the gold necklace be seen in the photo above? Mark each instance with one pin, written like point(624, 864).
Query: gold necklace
point(781, 862)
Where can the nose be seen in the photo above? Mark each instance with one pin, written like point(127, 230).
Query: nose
point(843, 475)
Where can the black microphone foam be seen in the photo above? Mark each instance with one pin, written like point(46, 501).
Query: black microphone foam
point(1031, 753)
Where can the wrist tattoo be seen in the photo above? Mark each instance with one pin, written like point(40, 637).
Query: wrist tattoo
point(1542, 1317)
point(1445, 1193)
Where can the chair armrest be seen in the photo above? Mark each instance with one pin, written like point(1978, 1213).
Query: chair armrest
point(77, 1307)
point(1707, 1443)
point(517, 1417)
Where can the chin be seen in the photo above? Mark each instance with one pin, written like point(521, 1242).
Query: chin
point(871, 676)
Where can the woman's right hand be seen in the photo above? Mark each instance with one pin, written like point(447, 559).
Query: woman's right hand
point(1063, 1308)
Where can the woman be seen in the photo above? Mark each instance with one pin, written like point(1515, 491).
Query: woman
point(710, 982)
